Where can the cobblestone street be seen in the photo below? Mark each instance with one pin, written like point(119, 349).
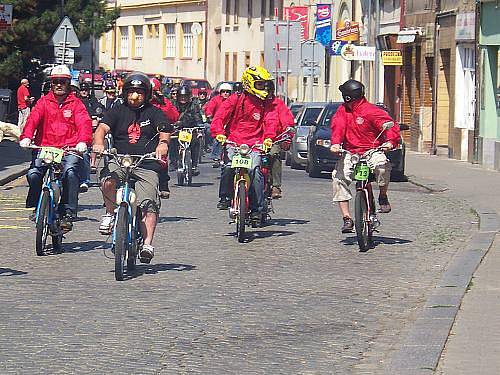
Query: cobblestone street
point(298, 298)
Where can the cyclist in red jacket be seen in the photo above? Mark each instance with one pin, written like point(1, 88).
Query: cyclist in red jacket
point(246, 118)
point(59, 119)
point(360, 126)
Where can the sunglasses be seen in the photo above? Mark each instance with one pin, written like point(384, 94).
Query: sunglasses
point(61, 81)
point(173, 94)
point(225, 91)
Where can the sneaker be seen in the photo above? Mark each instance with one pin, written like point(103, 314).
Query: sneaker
point(32, 216)
point(276, 192)
point(348, 225)
point(66, 223)
point(224, 204)
point(84, 187)
point(147, 253)
point(93, 170)
point(196, 171)
point(106, 224)
point(216, 163)
point(255, 215)
point(384, 205)
point(164, 194)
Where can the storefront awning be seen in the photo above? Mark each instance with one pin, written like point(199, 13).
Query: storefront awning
point(407, 36)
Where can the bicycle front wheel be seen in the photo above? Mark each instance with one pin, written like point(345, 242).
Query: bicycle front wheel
point(121, 242)
point(241, 207)
point(189, 167)
point(181, 171)
point(362, 221)
point(42, 223)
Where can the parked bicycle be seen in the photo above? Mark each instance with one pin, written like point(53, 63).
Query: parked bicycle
point(127, 239)
point(48, 219)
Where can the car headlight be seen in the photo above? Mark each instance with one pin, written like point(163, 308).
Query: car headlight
point(126, 161)
point(244, 149)
point(302, 139)
point(323, 142)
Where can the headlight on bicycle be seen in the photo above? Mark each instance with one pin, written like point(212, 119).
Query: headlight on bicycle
point(244, 149)
point(126, 161)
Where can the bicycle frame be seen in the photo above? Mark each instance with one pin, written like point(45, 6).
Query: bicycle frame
point(51, 183)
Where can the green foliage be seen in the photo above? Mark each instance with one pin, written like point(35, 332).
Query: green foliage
point(34, 21)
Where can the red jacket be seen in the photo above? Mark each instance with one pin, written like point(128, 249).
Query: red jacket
point(168, 109)
point(246, 119)
point(285, 116)
point(358, 128)
point(213, 104)
point(22, 94)
point(58, 125)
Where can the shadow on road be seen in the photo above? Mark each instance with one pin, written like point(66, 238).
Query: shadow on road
point(83, 207)
point(377, 240)
point(199, 184)
point(151, 269)
point(256, 234)
point(285, 222)
point(76, 247)
point(169, 219)
point(11, 272)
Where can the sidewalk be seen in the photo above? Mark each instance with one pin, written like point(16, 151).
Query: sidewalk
point(469, 309)
point(14, 161)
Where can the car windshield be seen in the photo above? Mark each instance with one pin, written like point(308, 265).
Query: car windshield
point(296, 109)
point(327, 115)
point(196, 84)
point(310, 114)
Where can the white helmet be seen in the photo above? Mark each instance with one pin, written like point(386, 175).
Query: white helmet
point(60, 71)
point(226, 86)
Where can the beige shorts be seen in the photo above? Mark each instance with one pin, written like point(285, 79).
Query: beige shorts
point(146, 185)
point(343, 175)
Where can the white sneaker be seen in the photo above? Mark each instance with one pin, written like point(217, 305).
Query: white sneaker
point(84, 187)
point(147, 253)
point(106, 223)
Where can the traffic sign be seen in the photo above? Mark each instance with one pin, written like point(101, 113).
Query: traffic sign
point(311, 71)
point(313, 52)
point(64, 55)
point(65, 35)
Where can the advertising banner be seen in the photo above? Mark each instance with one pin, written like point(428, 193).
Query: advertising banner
point(335, 47)
point(392, 58)
point(351, 52)
point(347, 30)
point(298, 14)
point(5, 16)
point(324, 23)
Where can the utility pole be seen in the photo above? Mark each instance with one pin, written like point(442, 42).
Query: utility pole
point(377, 58)
point(61, 9)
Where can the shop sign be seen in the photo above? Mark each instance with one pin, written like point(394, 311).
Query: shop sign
point(5, 16)
point(351, 52)
point(392, 58)
point(465, 26)
point(347, 30)
point(298, 14)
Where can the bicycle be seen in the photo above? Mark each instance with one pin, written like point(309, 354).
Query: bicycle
point(126, 235)
point(47, 219)
point(185, 162)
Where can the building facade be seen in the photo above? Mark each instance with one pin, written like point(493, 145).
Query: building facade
point(157, 37)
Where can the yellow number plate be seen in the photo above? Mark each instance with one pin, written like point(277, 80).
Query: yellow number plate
point(51, 153)
point(362, 172)
point(241, 162)
point(185, 136)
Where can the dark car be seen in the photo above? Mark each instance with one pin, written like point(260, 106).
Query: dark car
point(235, 84)
point(319, 157)
point(196, 84)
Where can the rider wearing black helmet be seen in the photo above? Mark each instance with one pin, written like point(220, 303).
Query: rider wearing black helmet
point(360, 126)
point(138, 128)
point(189, 117)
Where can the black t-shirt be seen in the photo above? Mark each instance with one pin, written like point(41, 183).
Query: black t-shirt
point(135, 131)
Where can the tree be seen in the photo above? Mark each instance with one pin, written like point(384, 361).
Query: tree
point(33, 23)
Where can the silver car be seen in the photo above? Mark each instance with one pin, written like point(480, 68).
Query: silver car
point(296, 157)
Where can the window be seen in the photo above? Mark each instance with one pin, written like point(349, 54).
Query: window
point(247, 59)
point(187, 40)
point(228, 12)
point(271, 9)
point(236, 11)
point(153, 31)
point(250, 11)
point(170, 40)
point(226, 67)
point(138, 41)
point(262, 10)
point(123, 41)
point(235, 66)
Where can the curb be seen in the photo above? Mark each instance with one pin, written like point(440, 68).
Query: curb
point(427, 338)
point(11, 173)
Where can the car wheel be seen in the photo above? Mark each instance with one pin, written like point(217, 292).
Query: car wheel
point(295, 165)
point(314, 171)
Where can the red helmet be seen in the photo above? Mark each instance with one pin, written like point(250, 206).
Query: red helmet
point(156, 85)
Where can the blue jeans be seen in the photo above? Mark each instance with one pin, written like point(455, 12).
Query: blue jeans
point(216, 150)
point(256, 190)
point(70, 183)
point(85, 168)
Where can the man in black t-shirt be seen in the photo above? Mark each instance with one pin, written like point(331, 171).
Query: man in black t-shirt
point(137, 128)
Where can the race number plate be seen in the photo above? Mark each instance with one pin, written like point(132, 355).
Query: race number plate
point(362, 172)
point(51, 153)
point(185, 136)
point(241, 162)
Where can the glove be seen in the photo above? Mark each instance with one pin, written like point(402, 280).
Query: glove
point(25, 143)
point(81, 147)
point(386, 146)
point(221, 138)
point(335, 148)
point(268, 143)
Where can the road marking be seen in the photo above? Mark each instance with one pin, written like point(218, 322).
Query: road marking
point(13, 218)
point(15, 209)
point(13, 227)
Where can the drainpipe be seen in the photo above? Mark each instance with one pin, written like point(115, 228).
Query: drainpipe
point(433, 150)
point(205, 42)
point(477, 76)
point(377, 58)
